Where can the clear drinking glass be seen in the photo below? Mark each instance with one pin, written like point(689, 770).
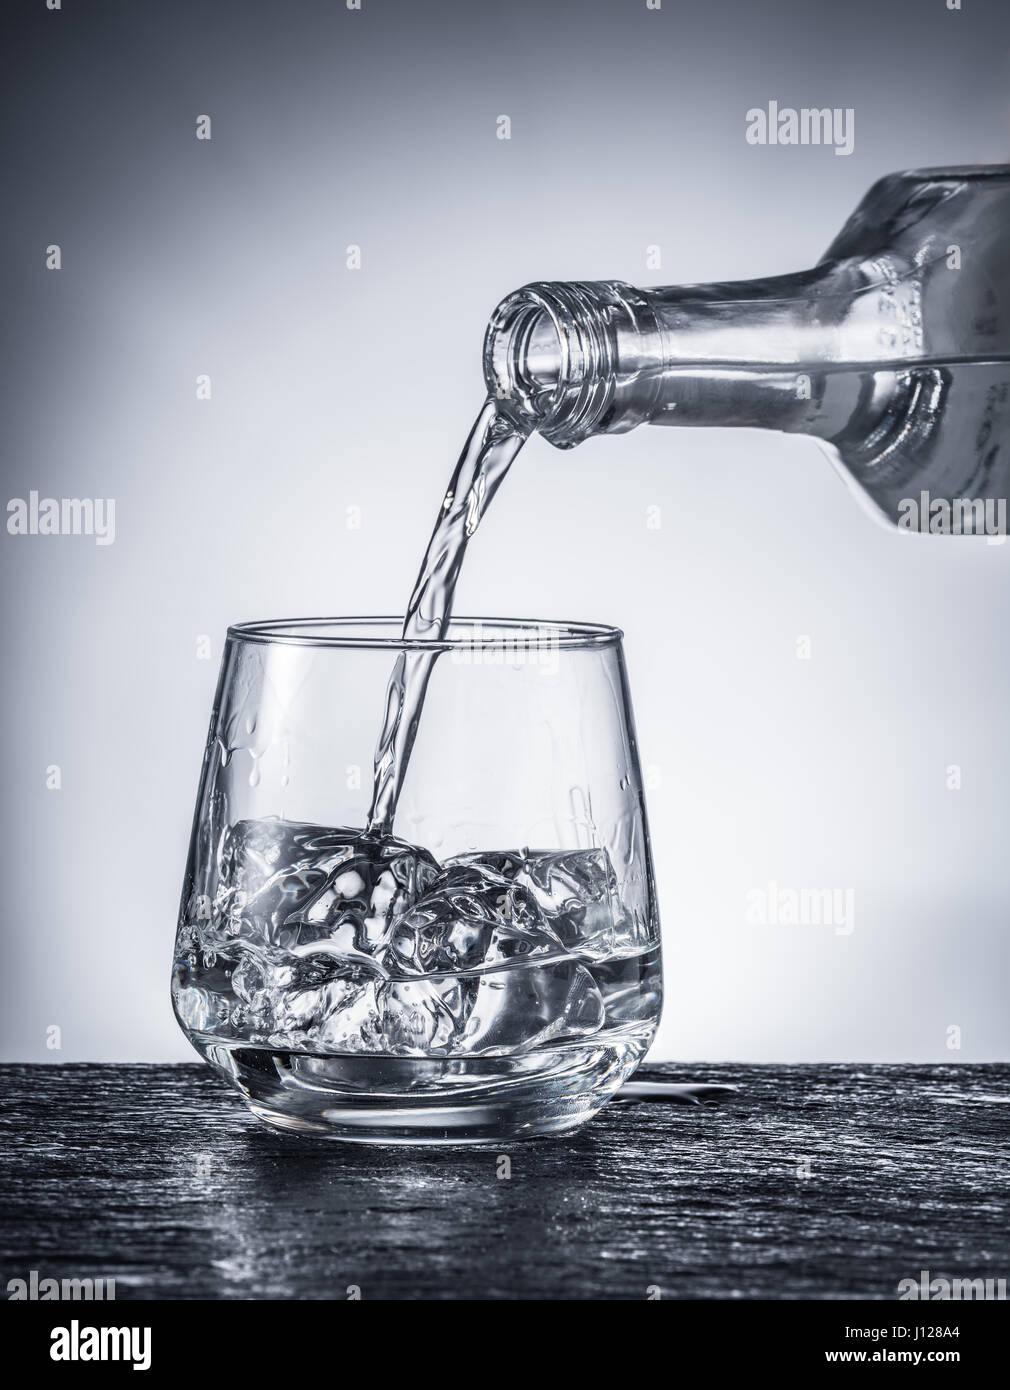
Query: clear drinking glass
point(489, 971)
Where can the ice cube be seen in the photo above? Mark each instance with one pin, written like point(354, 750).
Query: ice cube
point(520, 1008)
point(203, 998)
point(425, 1016)
point(575, 890)
point(197, 1008)
point(497, 1011)
point(304, 1003)
point(470, 917)
point(475, 969)
point(288, 884)
point(354, 1026)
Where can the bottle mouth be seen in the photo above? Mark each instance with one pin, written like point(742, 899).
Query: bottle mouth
point(524, 356)
point(563, 358)
point(527, 361)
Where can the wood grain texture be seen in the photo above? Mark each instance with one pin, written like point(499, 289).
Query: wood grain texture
point(158, 1177)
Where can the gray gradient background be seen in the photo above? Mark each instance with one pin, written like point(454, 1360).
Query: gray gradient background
point(333, 388)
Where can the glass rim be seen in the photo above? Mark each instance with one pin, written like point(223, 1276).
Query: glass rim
point(465, 634)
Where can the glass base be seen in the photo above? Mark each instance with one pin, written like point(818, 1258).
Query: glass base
point(406, 1100)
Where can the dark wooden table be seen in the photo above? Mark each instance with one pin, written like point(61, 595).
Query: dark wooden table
point(826, 1181)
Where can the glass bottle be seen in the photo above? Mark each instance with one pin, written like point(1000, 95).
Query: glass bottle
point(894, 352)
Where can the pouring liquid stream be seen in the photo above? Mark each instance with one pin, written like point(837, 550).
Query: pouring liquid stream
point(491, 446)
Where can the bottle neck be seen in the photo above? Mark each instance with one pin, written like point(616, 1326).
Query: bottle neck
point(571, 360)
